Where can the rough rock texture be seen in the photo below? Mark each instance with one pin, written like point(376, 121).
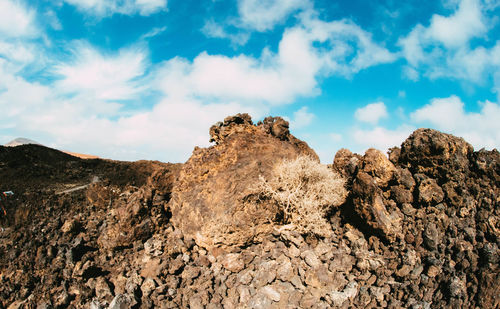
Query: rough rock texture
point(216, 184)
point(418, 230)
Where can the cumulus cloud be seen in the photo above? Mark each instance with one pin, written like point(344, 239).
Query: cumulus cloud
point(16, 20)
point(278, 78)
point(371, 113)
point(380, 137)
point(301, 118)
point(264, 15)
point(272, 78)
point(456, 30)
point(101, 8)
point(482, 129)
point(444, 49)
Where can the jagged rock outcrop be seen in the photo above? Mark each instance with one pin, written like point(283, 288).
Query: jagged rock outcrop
point(216, 187)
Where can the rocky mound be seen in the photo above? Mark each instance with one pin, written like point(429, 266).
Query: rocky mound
point(419, 229)
point(216, 185)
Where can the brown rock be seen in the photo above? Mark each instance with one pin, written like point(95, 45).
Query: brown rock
point(433, 271)
point(377, 165)
point(436, 154)
point(233, 262)
point(212, 200)
point(71, 226)
point(102, 290)
point(346, 163)
point(370, 204)
point(429, 192)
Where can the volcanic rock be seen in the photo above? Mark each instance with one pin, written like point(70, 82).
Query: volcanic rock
point(215, 185)
point(420, 229)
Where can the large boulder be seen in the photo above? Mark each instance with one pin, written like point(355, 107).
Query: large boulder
point(214, 199)
point(436, 154)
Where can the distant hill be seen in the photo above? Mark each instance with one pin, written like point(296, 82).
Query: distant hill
point(21, 141)
point(26, 141)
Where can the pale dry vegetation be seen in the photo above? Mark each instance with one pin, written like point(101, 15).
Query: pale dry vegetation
point(304, 190)
point(297, 195)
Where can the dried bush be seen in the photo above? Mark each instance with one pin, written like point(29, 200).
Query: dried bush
point(304, 190)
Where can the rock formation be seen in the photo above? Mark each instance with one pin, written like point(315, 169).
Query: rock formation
point(216, 184)
point(419, 228)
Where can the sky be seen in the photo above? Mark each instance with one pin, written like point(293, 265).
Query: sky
point(145, 79)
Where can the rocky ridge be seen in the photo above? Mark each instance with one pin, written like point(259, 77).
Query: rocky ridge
point(419, 228)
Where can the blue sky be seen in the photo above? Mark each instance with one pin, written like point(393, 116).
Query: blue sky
point(145, 79)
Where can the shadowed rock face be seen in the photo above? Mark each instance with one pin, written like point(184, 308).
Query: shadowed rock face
point(438, 155)
point(216, 182)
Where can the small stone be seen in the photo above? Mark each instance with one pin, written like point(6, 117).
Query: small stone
point(70, 226)
point(195, 303)
point(245, 277)
point(403, 271)
point(431, 236)
point(285, 269)
point(153, 247)
point(62, 299)
point(271, 293)
point(297, 282)
point(430, 192)
point(232, 262)
point(148, 287)
point(433, 271)
point(102, 290)
point(121, 301)
point(310, 258)
point(457, 287)
point(259, 301)
point(293, 251)
point(190, 272)
point(349, 293)
point(244, 294)
point(133, 283)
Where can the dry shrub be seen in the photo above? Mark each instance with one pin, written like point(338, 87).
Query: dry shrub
point(304, 190)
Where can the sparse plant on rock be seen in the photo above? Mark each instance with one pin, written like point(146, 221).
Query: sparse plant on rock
point(304, 190)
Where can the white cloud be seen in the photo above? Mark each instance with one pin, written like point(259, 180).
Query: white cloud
point(153, 32)
point(213, 29)
point(51, 18)
point(18, 53)
point(264, 15)
point(456, 30)
point(272, 78)
point(482, 129)
point(347, 49)
point(381, 138)
point(301, 118)
point(371, 113)
point(277, 78)
point(106, 8)
point(16, 20)
point(102, 77)
point(443, 49)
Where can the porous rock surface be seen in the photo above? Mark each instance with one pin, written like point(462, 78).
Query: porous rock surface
point(419, 229)
point(216, 184)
